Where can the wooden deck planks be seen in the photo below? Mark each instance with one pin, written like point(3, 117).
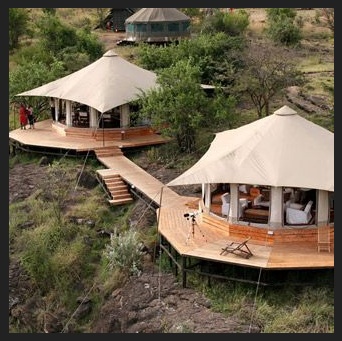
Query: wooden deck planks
point(280, 255)
point(212, 252)
point(52, 135)
point(208, 238)
point(301, 255)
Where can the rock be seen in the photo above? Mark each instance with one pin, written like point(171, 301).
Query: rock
point(87, 179)
point(44, 161)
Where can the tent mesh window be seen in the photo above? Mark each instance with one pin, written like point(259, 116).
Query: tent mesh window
point(185, 26)
point(173, 27)
point(141, 28)
point(157, 27)
point(129, 28)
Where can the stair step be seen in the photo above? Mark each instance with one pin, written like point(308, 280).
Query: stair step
point(112, 180)
point(116, 187)
point(120, 191)
point(109, 154)
point(120, 201)
point(108, 151)
point(116, 183)
point(110, 177)
point(121, 196)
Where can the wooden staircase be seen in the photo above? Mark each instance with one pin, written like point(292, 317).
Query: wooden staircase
point(116, 188)
point(108, 151)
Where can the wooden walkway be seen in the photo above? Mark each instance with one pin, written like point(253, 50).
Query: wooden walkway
point(142, 181)
point(202, 240)
point(205, 241)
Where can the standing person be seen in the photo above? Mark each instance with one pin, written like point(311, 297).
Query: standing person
point(53, 109)
point(30, 116)
point(22, 116)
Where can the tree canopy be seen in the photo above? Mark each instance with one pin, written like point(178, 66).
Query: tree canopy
point(267, 70)
point(179, 107)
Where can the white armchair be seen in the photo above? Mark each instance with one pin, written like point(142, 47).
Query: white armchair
point(225, 198)
point(257, 200)
point(243, 204)
point(297, 216)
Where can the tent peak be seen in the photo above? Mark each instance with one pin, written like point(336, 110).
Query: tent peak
point(110, 53)
point(285, 111)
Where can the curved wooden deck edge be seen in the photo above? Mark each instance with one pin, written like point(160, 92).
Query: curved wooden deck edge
point(283, 248)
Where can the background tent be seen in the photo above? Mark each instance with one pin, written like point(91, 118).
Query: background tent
point(109, 82)
point(157, 25)
point(283, 149)
point(116, 18)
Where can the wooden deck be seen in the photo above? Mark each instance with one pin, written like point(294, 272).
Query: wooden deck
point(54, 135)
point(285, 248)
point(273, 252)
point(290, 248)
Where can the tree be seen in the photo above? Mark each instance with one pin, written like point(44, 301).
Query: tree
point(192, 12)
point(217, 55)
point(179, 107)
point(18, 18)
point(221, 114)
point(281, 27)
point(268, 69)
point(56, 37)
point(100, 17)
point(176, 106)
point(233, 23)
point(28, 76)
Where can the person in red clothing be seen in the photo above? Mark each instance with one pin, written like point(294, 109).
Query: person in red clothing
point(22, 116)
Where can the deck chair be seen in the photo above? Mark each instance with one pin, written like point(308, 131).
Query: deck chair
point(239, 249)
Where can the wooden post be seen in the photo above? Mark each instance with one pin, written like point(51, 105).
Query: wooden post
point(183, 271)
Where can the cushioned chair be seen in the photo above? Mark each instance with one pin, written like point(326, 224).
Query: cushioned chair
point(225, 198)
point(243, 204)
point(257, 200)
point(297, 216)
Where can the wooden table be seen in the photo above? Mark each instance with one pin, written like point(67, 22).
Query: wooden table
point(257, 215)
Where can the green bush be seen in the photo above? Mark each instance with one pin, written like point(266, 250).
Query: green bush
point(124, 252)
point(233, 23)
point(282, 27)
point(285, 33)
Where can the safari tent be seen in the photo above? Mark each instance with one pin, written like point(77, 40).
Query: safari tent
point(115, 20)
point(283, 152)
point(157, 25)
point(106, 86)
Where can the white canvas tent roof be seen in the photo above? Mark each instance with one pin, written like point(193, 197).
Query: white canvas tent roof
point(105, 84)
point(157, 15)
point(283, 149)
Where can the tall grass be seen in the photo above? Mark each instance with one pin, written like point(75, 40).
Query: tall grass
point(285, 309)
